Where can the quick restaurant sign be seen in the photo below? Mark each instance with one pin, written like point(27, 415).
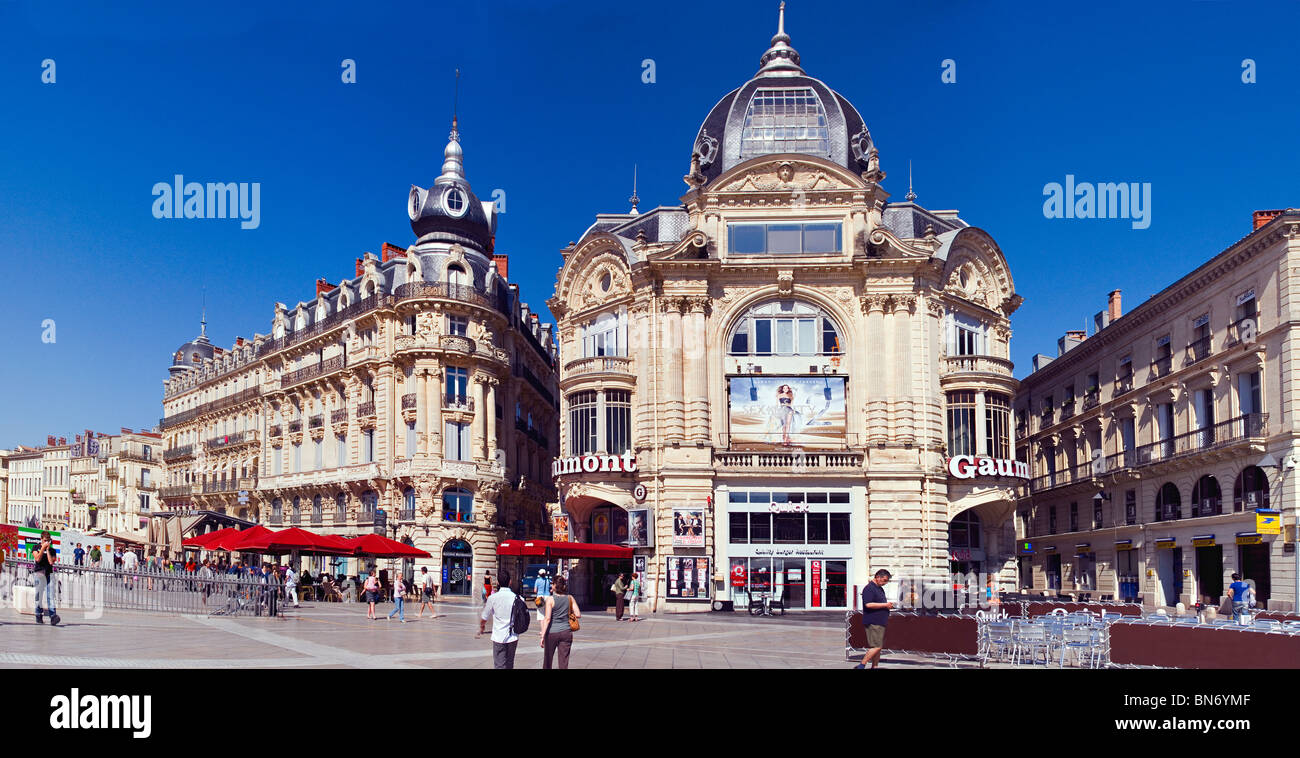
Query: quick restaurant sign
point(972, 466)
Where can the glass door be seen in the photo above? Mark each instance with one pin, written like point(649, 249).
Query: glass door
point(835, 593)
point(791, 582)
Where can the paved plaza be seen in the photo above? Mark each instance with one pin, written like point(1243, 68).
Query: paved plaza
point(339, 636)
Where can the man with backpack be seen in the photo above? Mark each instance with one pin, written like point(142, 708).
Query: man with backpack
point(510, 619)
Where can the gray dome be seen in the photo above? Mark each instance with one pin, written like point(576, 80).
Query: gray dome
point(449, 211)
point(192, 354)
point(782, 110)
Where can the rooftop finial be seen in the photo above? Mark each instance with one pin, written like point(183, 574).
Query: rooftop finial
point(910, 196)
point(780, 56)
point(634, 200)
point(203, 319)
point(452, 165)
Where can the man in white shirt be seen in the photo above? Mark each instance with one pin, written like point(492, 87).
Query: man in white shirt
point(291, 585)
point(129, 562)
point(428, 589)
point(498, 607)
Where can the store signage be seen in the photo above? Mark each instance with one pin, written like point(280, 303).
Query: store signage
point(816, 568)
point(688, 578)
point(1203, 540)
point(639, 492)
point(591, 463)
point(1250, 539)
point(1050, 549)
point(959, 554)
point(788, 507)
point(1124, 545)
point(1027, 548)
point(1268, 521)
point(971, 466)
point(1166, 544)
point(787, 552)
point(738, 577)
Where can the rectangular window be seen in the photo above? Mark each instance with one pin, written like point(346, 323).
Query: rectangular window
point(839, 528)
point(818, 530)
point(297, 457)
point(961, 423)
point(763, 337)
point(760, 528)
point(788, 528)
point(784, 336)
point(785, 239)
point(1051, 520)
point(582, 423)
point(1247, 306)
point(739, 528)
point(997, 425)
point(318, 459)
point(1130, 507)
point(368, 446)
point(458, 325)
point(618, 421)
point(341, 450)
point(456, 442)
point(1248, 393)
point(1096, 514)
point(410, 439)
point(457, 385)
point(1074, 517)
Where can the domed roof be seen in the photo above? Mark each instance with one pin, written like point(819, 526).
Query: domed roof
point(782, 110)
point(193, 353)
point(449, 211)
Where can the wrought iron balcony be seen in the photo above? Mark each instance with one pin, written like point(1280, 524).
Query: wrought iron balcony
point(366, 409)
point(176, 453)
point(177, 490)
point(408, 401)
point(445, 290)
point(1198, 350)
point(1162, 366)
point(336, 319)
point(327, 366)
point(295, 426)
point(316, 422)
point(230, 440)
point(458, 403)
point(277, 431)
point(339, 416)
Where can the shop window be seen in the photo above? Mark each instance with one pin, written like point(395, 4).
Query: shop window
point(1130, 507)
point(739, 528)
point(760, 528)
point(1169, 503)
point(1250, 490)
point(457, 505)
point(1205, 497)
point(964, 531)
point(788, 528)
point(818, 529)
point(839, 528)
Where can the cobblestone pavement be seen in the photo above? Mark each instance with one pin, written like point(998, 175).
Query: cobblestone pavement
point(339, 635)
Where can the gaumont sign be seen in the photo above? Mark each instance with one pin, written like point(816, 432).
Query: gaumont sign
point(971, 466)
point(592, 463)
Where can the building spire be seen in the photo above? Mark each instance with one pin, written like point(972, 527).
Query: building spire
point(453, 165)
point(634, 200)
point(203, 319)
point(910, 196)
point(780, 57)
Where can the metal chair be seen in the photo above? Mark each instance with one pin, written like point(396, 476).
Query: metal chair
point(1031, 638)
point(1080, 639)
point(1000, 640)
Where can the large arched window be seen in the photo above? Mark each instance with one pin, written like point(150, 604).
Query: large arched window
point(964, 531)
point(456, 275)
point(1169, 504)
point(340, 506)
point(1250, 490)
point(457, 505)
point(1205, 497)
point(784, 327)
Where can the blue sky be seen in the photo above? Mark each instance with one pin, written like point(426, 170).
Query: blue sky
point(554, 112)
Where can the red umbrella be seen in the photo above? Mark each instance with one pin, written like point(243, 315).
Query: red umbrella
point(229, 541)
point(379, 546)
point(202, 541)
point(287, 541)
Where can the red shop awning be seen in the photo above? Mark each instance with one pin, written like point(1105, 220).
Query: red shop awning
point(562, 549)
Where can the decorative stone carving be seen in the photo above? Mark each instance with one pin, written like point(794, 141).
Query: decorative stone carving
point(874, 303)
point(785, 282)
point(706, 148)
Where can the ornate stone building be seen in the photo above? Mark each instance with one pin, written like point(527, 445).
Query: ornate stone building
point(1162, 446)
point(415, 398)
point(793, 359)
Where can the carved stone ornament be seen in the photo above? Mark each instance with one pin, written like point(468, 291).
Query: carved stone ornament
point(707, 148)
point(785, 282)
point(863, 148)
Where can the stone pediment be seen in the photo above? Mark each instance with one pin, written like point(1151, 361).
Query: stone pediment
point(786, 176)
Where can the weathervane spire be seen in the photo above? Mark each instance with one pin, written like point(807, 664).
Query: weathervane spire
point(780, 56)
point(910, 196)
point(634, 200)
point(453, 165)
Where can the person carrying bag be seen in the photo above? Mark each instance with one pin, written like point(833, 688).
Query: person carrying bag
point(555, 634)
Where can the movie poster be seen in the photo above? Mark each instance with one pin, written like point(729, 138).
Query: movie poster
point(638, 528)
point(688, 527)
point(688, 578)
point(788, 410)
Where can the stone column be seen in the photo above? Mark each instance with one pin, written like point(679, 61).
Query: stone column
point(421, 412)
point(489, 453)
point(478, 434)
point(696, 370)
point(902, 369)
point(639, 326)
point(876, 386)
point(671, 354)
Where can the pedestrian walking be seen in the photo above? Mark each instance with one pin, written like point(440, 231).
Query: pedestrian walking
point(499, 608)
point(1239, 593)
point(43, 571)
point(372, 594)
point(487, 586)
point(557, 632)
point(429, 588)
point(620, 591)
point(95, 556)
point(399, 597)
point(542, 588)
point(291, 585)
point(875, 615)
point(634, 595)
point(78, 556)
point(205, 581)
point(130, 562)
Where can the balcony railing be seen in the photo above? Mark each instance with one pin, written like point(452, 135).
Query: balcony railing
point(176, 453)
point(366, 409)
point(112, 472)
point(238, 438)
point(317, 518)
point(295, 426)
point(327, 366)
point(796, 461)
point(523, 371)
point(1162, 366)
point(1123, 383)
point(316, 422)
point(324, 325)
point(338, 416)
point(1091, 399)
point(214, 405)
point(408, 401)
point(227, 485)
point(1222, 434)
point(1198, 350)
point(146, 486)
point(458, 403)
point(976, 364)
point(178, 490)
point(1067, 409)
point(460, 292)
point(602, 364)
point(277, 431)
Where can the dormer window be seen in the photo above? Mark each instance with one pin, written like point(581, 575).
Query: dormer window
point(454, 201)
point(784, 239)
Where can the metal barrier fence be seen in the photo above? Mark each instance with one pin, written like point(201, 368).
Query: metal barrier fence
point(149, 591)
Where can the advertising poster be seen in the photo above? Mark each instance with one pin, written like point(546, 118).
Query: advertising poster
point(688, 578)
point(816, 569)
point(638, 528)
point(560, 528)
point(688, 527)
point(638, 567)
point(788, 410)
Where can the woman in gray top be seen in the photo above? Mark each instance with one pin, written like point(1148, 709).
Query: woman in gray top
point(558, 606)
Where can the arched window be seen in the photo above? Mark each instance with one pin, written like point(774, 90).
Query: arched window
point(368, 289)
point(277, 510)
point(784, 327)
point(1169, 504)
point(456, 275)
point(316, 513)
point(369, 502)
point(1250, 490)
point(340, 505)
point(297, 509)
point(1205, 497)
point(408, 503)
point(606, 336)
point(964, 531)
point(457, 505)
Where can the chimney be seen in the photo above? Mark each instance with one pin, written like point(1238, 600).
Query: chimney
point(502, 262)
point(239, 342)
point(1114, 306)
point(1073, 338)
point(1261, 218)
point(360, 267)
point(1040, 360)
point(390, 251)
point(323, 285)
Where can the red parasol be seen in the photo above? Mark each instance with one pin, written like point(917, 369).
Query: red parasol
point(289, 540)
point(379, 546)
point(202, 541)
point(230, 541)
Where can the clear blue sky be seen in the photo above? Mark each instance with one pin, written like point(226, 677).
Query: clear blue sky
point(553, 111)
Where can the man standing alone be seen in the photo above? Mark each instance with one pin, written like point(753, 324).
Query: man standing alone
point(499, 608)
point(875, 615)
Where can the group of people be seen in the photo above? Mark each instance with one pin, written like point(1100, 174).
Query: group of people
point(558, 619)
point(427, 588)
point(627, 592)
